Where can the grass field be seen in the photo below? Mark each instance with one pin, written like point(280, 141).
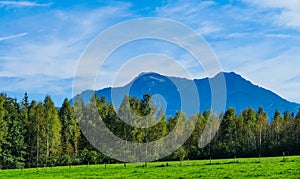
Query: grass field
point(273, 167)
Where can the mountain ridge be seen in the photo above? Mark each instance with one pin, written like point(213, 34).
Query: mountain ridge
point(240, 92)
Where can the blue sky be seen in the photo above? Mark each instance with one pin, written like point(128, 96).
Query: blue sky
point(41, 41)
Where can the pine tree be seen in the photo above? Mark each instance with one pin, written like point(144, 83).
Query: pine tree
point(25, 118)
point(31, 135)
point(297, 131)
point(70, 133)
point(14, 148)
point(193, 149)
point(3, 128)
point(227, 133)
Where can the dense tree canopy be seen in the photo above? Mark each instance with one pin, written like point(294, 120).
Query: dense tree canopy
point(37, 134)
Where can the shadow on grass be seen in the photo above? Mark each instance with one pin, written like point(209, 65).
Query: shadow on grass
point(222, 163)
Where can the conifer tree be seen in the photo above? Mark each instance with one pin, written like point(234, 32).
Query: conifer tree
point(3, 128)
point(70, 133)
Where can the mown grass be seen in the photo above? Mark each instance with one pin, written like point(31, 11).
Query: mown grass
point(273, 167)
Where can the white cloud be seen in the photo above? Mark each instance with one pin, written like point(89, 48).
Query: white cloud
point(158, 63)
point(13, 36)
point(252, 39)
point(267, 58)
point(287, 14)
point(208, 27)
point(46, 59)
point(192, 13)
point(22, 4)
point(275, 72)
point(55, 50)
point(237, 35)
point(278, 35)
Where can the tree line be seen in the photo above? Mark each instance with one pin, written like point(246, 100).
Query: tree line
point(37, 134)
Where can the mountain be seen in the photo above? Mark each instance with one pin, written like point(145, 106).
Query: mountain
point(173, 93)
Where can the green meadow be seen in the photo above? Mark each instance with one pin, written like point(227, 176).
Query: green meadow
point(271, 167)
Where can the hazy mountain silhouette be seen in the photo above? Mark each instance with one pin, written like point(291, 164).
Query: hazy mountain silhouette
point(168, 91)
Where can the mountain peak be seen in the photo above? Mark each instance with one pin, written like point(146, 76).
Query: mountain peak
point(240, 93)
point(230, 74)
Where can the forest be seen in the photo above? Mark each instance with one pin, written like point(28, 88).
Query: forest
point(39, 134)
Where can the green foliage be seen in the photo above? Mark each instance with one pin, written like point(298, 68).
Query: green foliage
point(14, 149)
point(53, 132)
point(70, 133)
point(3, 128)
point(35, 134)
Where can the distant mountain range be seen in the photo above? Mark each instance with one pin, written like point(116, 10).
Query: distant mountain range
point(240, 92)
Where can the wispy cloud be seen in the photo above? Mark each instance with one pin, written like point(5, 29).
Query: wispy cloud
point(246, 36)
point(22, 4)
point(192, 13)
point(278, 35)
point(252, 37)
point(280, 73)
point(286, 13)
point(47, 59)
point(13, 36)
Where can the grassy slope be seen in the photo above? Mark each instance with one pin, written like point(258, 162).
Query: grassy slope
point(267, 167)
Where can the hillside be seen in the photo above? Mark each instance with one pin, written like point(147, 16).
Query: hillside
point(241, 94)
